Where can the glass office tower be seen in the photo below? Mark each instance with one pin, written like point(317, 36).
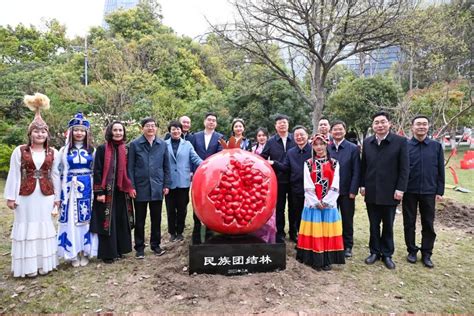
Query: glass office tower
point(113, 5)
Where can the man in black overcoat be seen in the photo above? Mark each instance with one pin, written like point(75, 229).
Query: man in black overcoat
point(384, 178)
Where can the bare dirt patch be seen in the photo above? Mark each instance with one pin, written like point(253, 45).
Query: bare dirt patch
point(455, 214)
point(174, 290)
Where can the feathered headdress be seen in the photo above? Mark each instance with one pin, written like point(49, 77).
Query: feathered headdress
point(36, 103)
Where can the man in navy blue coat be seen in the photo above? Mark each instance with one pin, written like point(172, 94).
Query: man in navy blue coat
point(205, 143)
point(384, 179)
point(348, 156)
point(293, 164)
point(275, 149)
point(149, 171)
point(425, 187)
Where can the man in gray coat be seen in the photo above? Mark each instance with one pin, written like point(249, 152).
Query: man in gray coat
point(149, 171)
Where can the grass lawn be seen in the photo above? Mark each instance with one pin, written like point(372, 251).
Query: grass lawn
point(161, 284)
point(466, 180)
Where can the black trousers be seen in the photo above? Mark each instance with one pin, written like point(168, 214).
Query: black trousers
point(176, 208)
point(347, 207)
point(294, 216)
point(196, 237)
point(140, 218)
point(426, 204)
point(381, 244)
point(284, 193)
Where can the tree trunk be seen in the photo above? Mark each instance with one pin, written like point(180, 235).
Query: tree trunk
point(411, 70)
point(317, 93)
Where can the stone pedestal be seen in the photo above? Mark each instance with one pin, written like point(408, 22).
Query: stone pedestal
point(230, 255)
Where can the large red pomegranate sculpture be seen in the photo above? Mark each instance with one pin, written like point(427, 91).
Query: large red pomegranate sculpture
point(234, 191)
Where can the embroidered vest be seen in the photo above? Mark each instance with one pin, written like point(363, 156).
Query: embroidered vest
point(29, 173)
point(322, 174)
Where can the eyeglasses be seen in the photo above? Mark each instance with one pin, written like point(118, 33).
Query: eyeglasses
point(149, 126)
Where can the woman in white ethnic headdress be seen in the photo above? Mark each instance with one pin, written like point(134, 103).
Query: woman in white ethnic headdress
point(32, 192)
point(75, 242)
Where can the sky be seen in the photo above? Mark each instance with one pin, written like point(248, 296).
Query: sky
point(186, 17)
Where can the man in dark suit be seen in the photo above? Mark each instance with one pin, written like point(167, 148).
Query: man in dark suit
point(276, 149)
point(348, 156)
point(293, 164)
point(425, 187)
point(324, 127)
point(384, 179)
point(205, 143)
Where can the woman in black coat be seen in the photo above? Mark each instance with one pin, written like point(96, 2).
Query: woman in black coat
point(112, 212)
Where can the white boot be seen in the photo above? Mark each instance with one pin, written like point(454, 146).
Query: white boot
point(75, 262)
point(41, 271)
point(83, 259)
point(32, 275)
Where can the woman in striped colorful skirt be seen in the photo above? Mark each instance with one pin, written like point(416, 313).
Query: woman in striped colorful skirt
point(320, 241)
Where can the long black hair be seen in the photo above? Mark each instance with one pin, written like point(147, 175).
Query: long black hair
point(88, 142)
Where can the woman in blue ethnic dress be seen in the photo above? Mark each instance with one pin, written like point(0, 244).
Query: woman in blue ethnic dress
point(320, 241)
point(75, 242)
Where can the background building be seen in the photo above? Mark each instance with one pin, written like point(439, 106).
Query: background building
point(372, 63)
point(114, 5)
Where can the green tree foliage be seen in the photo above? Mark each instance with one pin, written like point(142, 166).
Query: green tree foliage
point(437, 44)
point(441, 102)
point(5, 154)
point(312, 36)
point(23, 44)
point(137, 67)
point(356, 99)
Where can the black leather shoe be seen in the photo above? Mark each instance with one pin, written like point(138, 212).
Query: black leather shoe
point(327, 267)
point(411, 257)
point(372, 259)
point(158, 251)
point(389, 263)
point(427, 262)
point(280, 240)
point(348, 253)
